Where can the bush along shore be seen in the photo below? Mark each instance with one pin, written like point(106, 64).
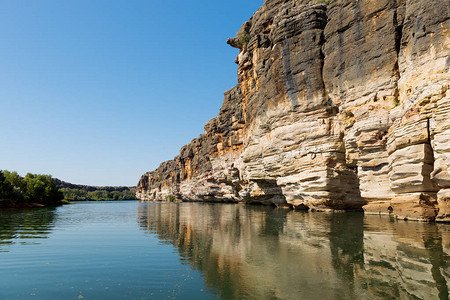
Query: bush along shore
point(35, 190)
point(29, 191)
point(99, 194)
point(78, 192)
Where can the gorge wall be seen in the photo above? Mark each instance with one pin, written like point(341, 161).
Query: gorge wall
point(338, 106)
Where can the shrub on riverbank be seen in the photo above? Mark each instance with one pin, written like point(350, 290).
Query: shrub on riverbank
point(98, 195)
point(33, 188)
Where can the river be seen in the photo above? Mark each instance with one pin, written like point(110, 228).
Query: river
point(131, 250)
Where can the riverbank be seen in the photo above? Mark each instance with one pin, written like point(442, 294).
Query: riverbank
point(20, 205)
point(5, 204)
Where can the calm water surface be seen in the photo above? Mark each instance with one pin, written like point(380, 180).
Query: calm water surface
point(129, 250)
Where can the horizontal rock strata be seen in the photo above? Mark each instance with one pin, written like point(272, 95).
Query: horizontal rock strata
point(338, 106)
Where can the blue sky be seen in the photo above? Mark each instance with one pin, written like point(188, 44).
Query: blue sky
point(98, 92)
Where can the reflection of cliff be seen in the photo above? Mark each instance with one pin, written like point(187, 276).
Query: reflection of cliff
point(25, 225)
point(260, 253)
point(407, 260)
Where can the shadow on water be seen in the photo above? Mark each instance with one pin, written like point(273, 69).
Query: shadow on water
point(252, 252)
point(25, 226)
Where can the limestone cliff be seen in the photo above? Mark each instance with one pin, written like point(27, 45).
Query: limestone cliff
point(340, 106)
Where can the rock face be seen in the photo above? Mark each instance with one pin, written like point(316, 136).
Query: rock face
point(338, 107)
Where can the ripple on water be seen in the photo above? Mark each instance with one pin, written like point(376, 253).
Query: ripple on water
point(198, 251)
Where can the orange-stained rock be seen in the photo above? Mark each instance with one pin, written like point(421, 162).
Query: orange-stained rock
point(342, 106)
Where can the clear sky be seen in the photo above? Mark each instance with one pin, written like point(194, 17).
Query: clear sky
point(99, 92)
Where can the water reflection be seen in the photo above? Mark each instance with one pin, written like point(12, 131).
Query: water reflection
point(256, 252)
point(24, 226)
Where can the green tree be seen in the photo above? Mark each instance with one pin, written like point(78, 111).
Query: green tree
point(128, 195)
point(42, 189)
point(15, 179)
point(5, 187)
point(75, 194)
point(98, 195)
point(116, 195)
point(79, 194)
point(18, 186)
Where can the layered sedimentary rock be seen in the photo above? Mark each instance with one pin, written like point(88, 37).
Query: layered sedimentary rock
point(341, 106)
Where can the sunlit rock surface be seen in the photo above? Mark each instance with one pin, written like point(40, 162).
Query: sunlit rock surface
point(252, 252)
point(343, 106)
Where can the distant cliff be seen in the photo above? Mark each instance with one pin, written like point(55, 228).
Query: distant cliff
point(338, 107)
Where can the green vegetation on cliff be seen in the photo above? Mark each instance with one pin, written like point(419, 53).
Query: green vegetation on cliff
point(33, 188)
point(244, 38)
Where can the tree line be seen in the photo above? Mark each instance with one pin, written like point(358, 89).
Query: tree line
point(33, 188)
point(74, 194)
point(43, 189)
point(63, 184)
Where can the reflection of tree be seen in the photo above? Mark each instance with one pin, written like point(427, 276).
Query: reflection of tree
point(253, 252)
point(18, 224)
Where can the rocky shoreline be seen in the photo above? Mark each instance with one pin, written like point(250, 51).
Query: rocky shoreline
point(342, 106)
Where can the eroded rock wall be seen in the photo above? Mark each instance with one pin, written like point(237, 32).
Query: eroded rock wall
point(338, 106)
point(208, 168)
